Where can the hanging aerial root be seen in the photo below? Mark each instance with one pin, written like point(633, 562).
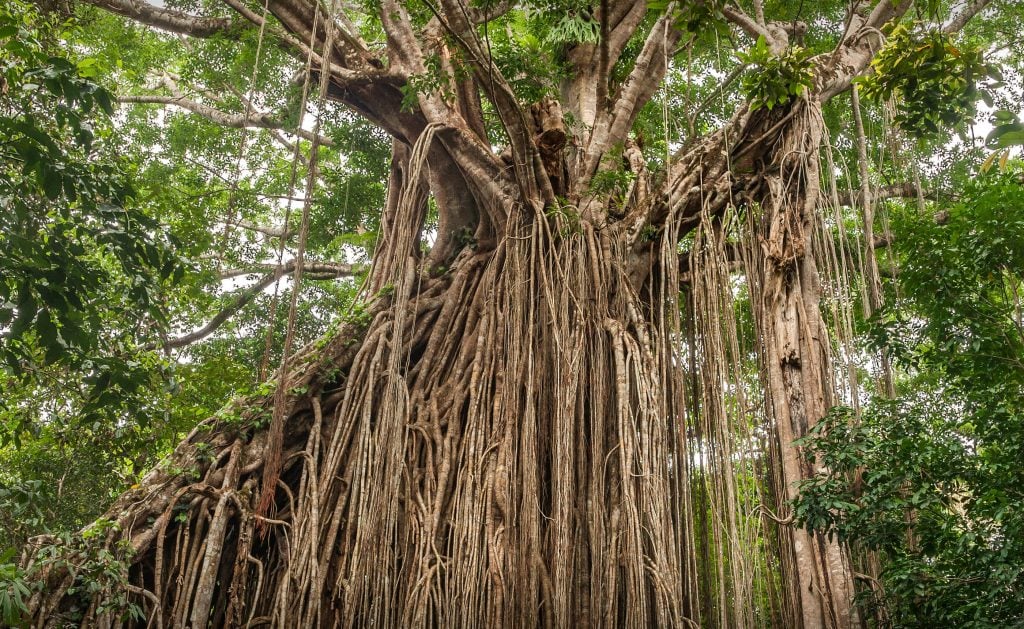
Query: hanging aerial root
point(506, 465)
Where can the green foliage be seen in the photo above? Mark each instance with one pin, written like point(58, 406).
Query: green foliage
point(563, 22)
point(932, 480)
point(1007, 130)
point(775, 80)
point(928, 502)
point(649, 233)
point(613, 182)
point(565, 217)
point(14, 590)
point(936, 82)
point(1007, 133)
point(694, 17)
point(20, 510)
point(577, 27)
point(98, 571)
point(69, 226)
point(527, 56)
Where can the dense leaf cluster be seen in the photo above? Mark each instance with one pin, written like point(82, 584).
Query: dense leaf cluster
point(937, 83)
point(775, 79)
point(69, 226)
point(932, 480)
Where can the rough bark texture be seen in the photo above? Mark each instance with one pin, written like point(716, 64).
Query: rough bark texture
point(796, 365)
point(497, 449)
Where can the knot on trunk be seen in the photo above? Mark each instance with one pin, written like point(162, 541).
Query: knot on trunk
point(550, 138)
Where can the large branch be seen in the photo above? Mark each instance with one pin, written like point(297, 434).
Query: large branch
point(527, 166)
point(624, 17)
point(776, 34)
point(582, 89)
point(168, 19)
point(278, 231)
point(254, 120)
point(462, 154)
point(306, 22)
point(612, 127)
point(357, 79)
point(313, 270)
point(905, 190)
point(961, 19)
point(857, 48)
point(645, 78)
point(747, 24)
point(618, 26)
point(700, 173)
point(294, 15)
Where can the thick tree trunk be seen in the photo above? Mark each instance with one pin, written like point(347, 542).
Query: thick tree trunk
point(796, 358)
point(500, 449)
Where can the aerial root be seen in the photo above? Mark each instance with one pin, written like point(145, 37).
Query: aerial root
point(493, 452)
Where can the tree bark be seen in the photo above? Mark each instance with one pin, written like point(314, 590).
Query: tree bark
point(796, 358)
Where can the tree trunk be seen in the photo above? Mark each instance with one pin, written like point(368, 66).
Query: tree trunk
point(506, 436)
point(796, 359)
point(497, 452)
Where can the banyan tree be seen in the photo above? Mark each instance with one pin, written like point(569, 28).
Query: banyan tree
point(544, 412)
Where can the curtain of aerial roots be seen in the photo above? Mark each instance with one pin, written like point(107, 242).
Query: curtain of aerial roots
point(730, 437)
point(531, 439)
point(508, 453)
point(515, 465)
point(785, 249)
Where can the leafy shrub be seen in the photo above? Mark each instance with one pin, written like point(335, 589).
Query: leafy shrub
point(932, 481)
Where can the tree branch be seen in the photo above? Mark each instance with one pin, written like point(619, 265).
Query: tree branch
point(625, 18)
point(958, 22)
point(644, 79)
point(328, 270)
point(747, 24)
point(854, 53)
point(479, 15)
point(168, 19)
point(885, 11)
point(905, 190)
point(759, 12)
point(529, 171)
point(461, 155)
point(254, 120)
point(279, 231)
point(580, 88)
point(313, 270)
